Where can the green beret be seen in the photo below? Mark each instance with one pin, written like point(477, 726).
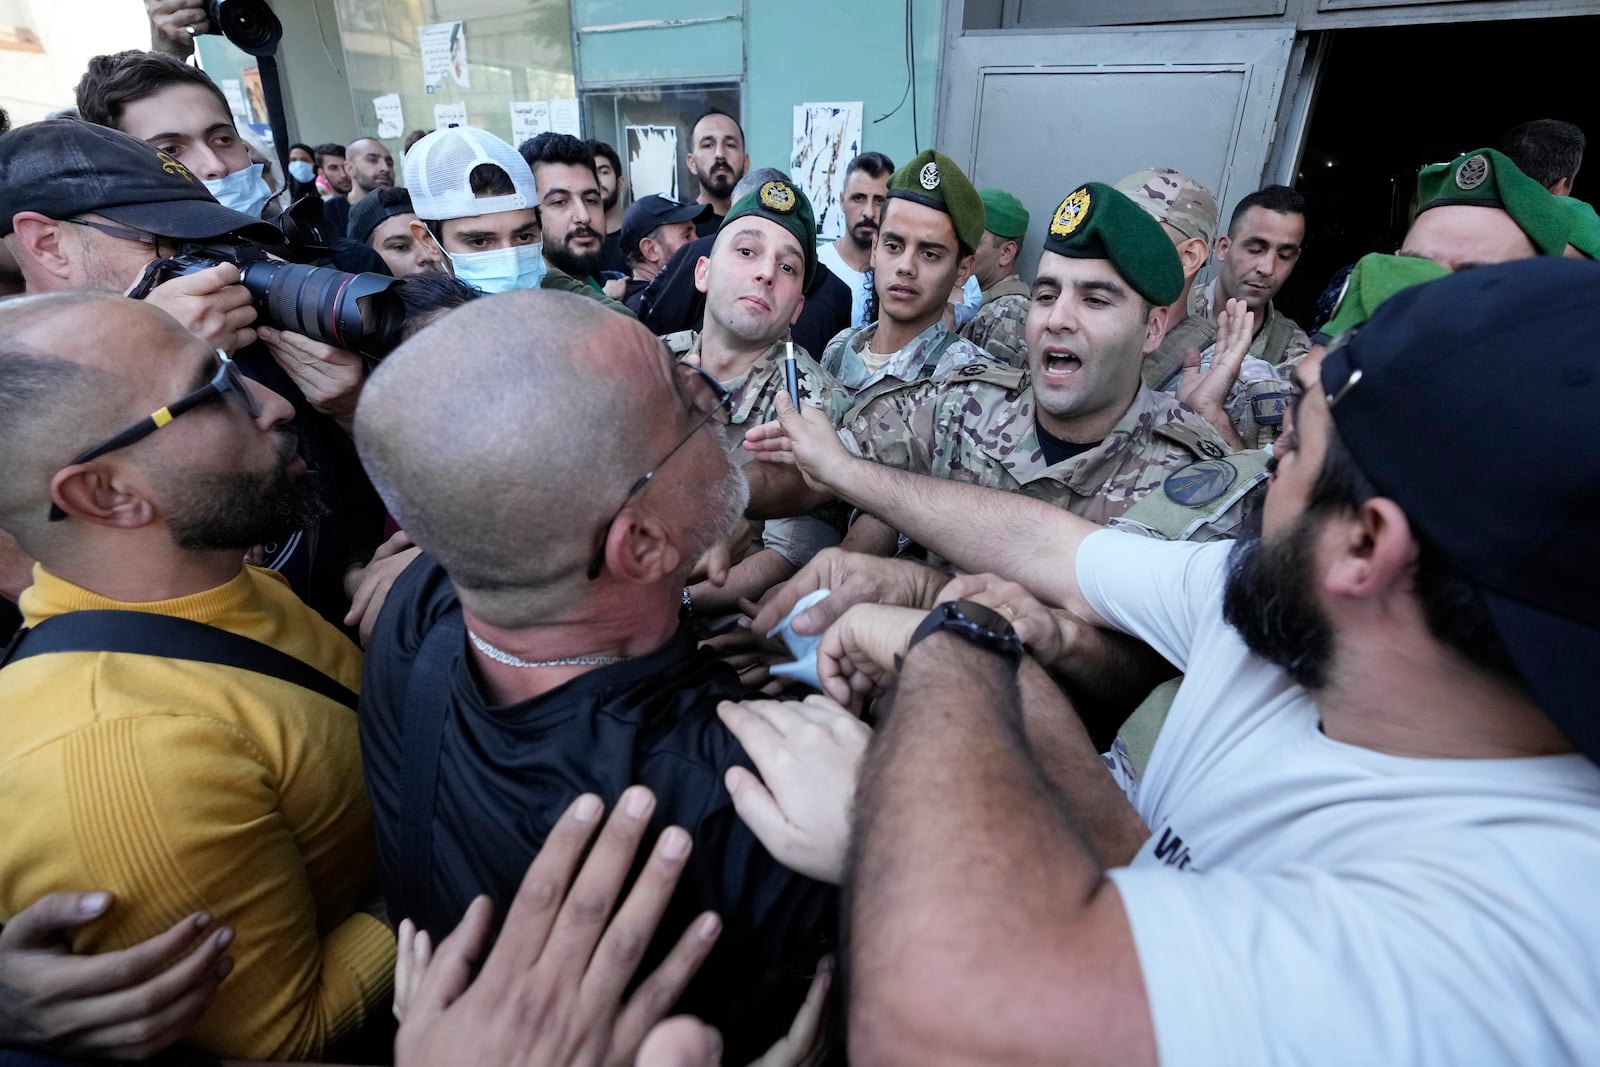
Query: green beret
point(1584, 232)
point(933, 180)
point(1486, 178)
point(787, 205)
point(1095, 221)
point(1376, 278)
point(1003, 214)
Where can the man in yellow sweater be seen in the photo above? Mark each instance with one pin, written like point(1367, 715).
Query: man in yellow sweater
point(176, 784)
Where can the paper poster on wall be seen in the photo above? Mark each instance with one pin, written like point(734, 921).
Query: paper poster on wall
point(391, 117)
point(447, 115)
point(233, 91)
point(255, 96)
point(529, 118)
point(653, 160)
point(444, 55)
point(826, 138)
point(564, 117)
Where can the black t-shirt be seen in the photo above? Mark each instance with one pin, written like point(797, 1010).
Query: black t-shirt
point(611, 257)
point(505, 774)
point(1056, 450)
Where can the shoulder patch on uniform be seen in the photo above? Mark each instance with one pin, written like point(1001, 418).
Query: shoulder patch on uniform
point(1268, 408)
point(1201, 444)
point(1200, 483)
point(985, 371)
point(680, 342)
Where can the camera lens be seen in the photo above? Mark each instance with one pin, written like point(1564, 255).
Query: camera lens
point(249, 24)
point(355, 311)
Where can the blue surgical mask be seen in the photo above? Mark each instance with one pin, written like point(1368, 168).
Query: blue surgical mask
point(245, 190)
point(301, 171)
point(501, 270)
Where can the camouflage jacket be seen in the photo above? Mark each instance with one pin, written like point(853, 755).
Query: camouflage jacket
point(1001, 325)
point(933, 353)
point(1279, 340)
point(1255, 404)
point(755, 395)
point(977, 425)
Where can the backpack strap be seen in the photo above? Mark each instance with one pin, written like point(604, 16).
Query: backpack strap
point(426, 709)
point(936, 353)
point(144, 633)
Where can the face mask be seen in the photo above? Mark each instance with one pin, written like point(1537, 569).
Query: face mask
point(244, 190)
point(502, 269)
point(301, 171)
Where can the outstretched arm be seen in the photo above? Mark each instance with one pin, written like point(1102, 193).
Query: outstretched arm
point(977, 529)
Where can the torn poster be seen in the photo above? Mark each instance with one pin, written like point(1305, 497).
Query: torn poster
point(826, 138)
point(653, 160)
point(448, 115)
point(391, 118)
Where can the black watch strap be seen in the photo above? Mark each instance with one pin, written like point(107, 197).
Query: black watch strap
point(974, 623)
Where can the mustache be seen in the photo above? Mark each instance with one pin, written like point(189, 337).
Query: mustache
point(583, 230)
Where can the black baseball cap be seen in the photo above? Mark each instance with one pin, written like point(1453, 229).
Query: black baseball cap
point(649, 212)
point(376, 208)
point(1470, 401)
point(62, 168)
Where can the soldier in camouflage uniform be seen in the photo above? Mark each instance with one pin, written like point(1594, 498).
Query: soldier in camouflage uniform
point(1254, 259)
point(754, 280)
point(1001, 324)
point(931, 224)
point(1085, 433)
point(1252, 415)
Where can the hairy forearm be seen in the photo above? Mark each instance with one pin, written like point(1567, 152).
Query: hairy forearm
point(977, 529)
point(872, 536)
point(749, 579)
point(1106, 674)
point(779, 492)
point(1071, 763)
point(975, 878)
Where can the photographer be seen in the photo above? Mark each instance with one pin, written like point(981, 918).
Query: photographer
point(83, 206)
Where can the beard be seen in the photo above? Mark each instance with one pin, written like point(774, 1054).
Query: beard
point(720, 180)
point(609, 200)
point(862, 233)
point(1268, 600)
point(580, 266)
point(719, 506)
point(235, 510)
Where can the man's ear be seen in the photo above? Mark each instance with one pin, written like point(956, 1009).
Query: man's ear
point(1155, 327)
point(44, 241)
point(1376, 552)
point(964, 271)
point(1009, 252)
point(424, 236)
point(688, 160)
point(1193, 254)
point(797, 309)
point(639, 547)
point(95, 493)
point(702, 273)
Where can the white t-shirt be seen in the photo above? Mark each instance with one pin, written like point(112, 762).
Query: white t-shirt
point(1306, 901)
point(829, 257)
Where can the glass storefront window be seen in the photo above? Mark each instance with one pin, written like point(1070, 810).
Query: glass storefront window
point(609, 112)
point(513, 50)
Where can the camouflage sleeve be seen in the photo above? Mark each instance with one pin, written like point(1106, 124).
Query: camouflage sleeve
point(1001, 329)
point(896, 429)
point(1256, 404)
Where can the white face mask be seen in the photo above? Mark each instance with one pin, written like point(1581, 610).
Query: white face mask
point(301, 171)
point(245, 190)
point(501, 270)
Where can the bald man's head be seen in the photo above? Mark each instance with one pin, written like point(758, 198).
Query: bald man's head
point(79, 366)
point(503, 437)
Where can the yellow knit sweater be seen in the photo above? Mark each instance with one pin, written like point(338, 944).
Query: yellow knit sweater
point(183, 786)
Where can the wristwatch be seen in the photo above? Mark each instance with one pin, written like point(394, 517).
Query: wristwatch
point(973, 622)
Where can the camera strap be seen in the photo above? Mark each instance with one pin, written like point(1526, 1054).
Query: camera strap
point(273, 91)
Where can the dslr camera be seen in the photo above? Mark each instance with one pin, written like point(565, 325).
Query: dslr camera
point(360, 312)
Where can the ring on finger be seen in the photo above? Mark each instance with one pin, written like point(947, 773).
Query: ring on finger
point(189, 30)
point(1008, 611)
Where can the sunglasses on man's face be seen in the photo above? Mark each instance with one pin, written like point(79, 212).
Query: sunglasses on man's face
point(228, 381)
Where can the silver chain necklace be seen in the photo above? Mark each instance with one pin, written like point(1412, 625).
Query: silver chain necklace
point(500, 656)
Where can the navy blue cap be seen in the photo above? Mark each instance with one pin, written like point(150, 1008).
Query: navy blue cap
point(1472, 402)
point(648, 213)
point(374, 209)
point(63, 168)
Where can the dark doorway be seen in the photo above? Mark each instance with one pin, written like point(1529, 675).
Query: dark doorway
point(1395, 99)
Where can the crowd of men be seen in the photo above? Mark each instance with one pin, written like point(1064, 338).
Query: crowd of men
point(1096, 663)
